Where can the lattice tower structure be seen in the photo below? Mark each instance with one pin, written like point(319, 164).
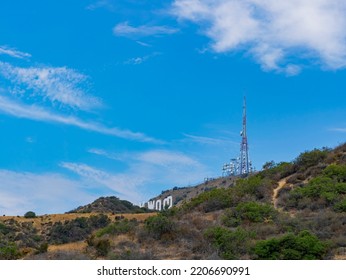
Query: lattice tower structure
point(244, 167)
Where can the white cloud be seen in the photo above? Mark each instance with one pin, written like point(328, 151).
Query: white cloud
point(143, 44)
point(101, 4)
point(140, 60)
point(125, 185)
point(13, 52)
point(166, 158)
point(136, 60)
point(273, 31)
point(126, 30)
point(209, 140)
point(33, 112)
point(57, 84)
point(339, 129)
point(106, 154)
point(147, 175)
point(43, 193)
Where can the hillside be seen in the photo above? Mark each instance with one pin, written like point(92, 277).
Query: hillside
point(109, 204)
point(184, 194)
point(289, 210)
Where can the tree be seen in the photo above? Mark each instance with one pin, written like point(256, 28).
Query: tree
point(268, 165)
point(29, 215)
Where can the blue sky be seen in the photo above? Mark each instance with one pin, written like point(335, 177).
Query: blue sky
point(130, 98)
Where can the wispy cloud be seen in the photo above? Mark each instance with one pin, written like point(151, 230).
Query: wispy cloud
point(33, 112)
point(101, 4)
point(209, 140)
point(106, 154)
point(148, 172)
point(339, 129)
point(57, 84)
point(42, 193)
point(124, 185)
point(143, 44)
point(155, 157)
point(13, 52)
point(274, 32)
point(166, 158)
point(125, 30)
point(140, 60)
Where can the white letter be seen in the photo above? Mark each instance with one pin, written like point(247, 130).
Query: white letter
point(168, 201)
point(158, 205)
point(151, 205)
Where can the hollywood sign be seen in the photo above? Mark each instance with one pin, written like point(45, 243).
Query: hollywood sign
point(160, 204)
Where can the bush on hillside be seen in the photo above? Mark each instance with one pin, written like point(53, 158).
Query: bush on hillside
point(77, 229)
point(29, 215)
point(119, 227)
point(4, 229)
point(326, 190)
point(340, 206)
point(277, 171)
point(159, 225)
point(256, 212)
point(230, 244)
point(291, 247)
point(336, 172)
point(310, 158)
point(254, 187)
point(249, 212)
point(212, 200)
point(9, 251)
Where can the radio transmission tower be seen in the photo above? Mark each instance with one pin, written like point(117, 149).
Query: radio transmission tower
point(244, 167)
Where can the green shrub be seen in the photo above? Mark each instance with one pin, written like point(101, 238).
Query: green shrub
point(291, 247)
point(253, 188)
point(277, 171)
point(249, 212)
point(4, 229)
point(340, 206)
point(9, 251)
point(256, 212)
point(230, 244)
point(30, 214)
point(98, 221)
point(230, 218)
point(248, 185)
point(212, 200)
point(119, 227)
point(159, 225)
point(311, 158)
point(336, 172)
point(328, 189)
point(77, 229)
point(102, 247)
point(43, 248)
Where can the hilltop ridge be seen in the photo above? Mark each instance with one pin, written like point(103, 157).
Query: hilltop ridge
point(110, 204)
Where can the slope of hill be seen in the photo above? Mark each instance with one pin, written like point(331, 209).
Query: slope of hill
point(184, 194)
point(110, 204)
point(290, 210)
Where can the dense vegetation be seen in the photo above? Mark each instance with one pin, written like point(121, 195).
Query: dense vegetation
point(230, 219)
point(109, 204)
point(77, 229)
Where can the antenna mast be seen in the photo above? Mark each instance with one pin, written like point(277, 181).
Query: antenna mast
point(244, 150)
point(242, 165)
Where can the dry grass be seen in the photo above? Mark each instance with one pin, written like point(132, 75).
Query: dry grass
point(40, 221)
point(79, 246)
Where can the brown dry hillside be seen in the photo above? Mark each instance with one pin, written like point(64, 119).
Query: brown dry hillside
point(290, 210)
point(184, 194)
point(56, 236)
point(39, 222)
